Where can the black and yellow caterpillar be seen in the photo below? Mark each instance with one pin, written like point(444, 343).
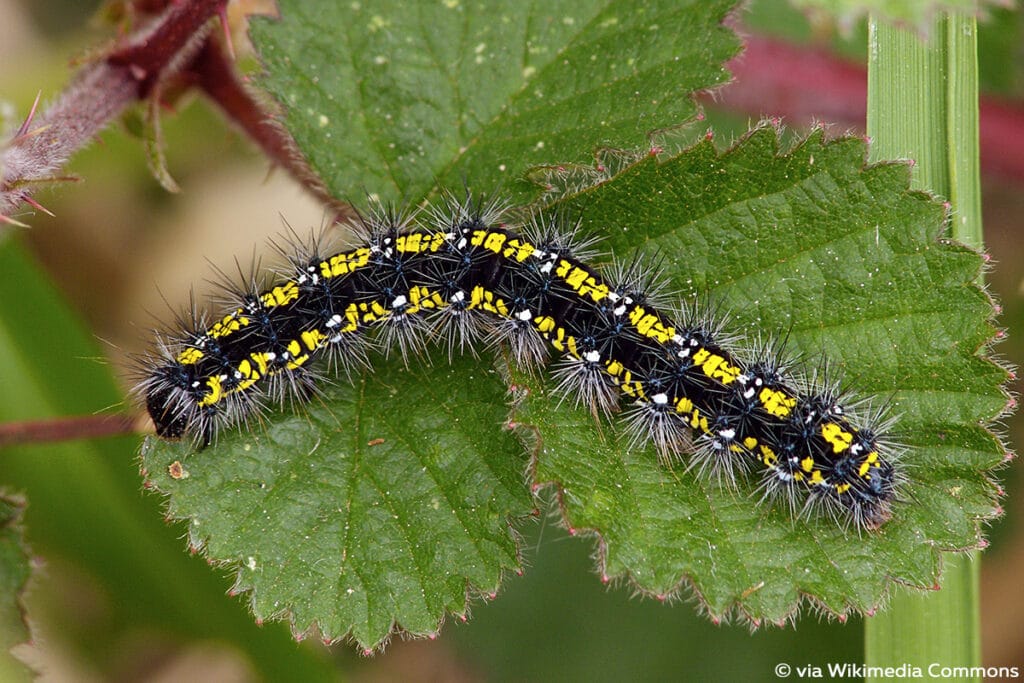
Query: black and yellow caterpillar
point(472, 278)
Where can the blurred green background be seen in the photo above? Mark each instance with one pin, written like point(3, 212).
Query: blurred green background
point(117, 596)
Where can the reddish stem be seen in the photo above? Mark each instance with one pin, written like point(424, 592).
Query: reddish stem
point(168, 43)
point(66, 428)
point(215, 74)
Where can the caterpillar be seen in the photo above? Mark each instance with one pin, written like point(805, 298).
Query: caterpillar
point(466, 276)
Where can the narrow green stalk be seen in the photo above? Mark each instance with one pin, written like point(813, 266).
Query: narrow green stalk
point(923, 105)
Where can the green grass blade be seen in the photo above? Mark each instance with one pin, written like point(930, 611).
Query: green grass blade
point(922, 104)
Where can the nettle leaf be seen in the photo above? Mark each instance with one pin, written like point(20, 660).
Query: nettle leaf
point(377, 504)
point(14, 576)
point(381, 504)
point(846, 262)
point(395, 98)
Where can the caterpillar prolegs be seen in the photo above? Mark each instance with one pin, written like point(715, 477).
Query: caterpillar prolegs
point(465, 275)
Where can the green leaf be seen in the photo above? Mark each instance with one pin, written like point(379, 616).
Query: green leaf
point(917, 14)
point(841, 259)
point(14, 575)
point(844, 261)
point(385, 503)
point(394, 98)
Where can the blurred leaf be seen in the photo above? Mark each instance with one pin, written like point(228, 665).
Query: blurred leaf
point(395, 99)
point(14, 575)
point(845, 261)
point(153, 143)
point(917, 14)
point(1000, 58)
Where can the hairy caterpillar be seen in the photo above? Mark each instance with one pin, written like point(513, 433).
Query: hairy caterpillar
point(469, 278)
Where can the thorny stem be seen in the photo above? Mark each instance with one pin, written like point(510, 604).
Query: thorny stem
point(178, 44)
point(99, 93)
